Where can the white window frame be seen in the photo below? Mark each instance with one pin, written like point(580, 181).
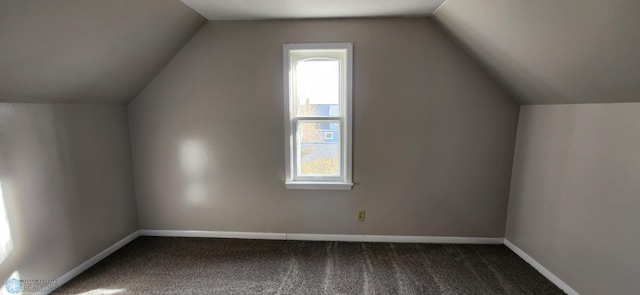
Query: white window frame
point(292, 53)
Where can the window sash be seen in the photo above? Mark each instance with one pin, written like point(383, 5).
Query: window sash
point(298, 56)
point(297, 149)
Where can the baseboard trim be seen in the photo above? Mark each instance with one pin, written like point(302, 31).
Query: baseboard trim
point(434, 240)
point(89, 263)
point(212, 234)
point(541, 269)
point(321, 237)
point(395, 239)
point(325, 237)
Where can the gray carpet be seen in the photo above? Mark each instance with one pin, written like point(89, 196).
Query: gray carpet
point(229, 266)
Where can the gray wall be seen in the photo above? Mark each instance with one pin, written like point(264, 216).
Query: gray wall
point(548, 51)
point(88, 51)
point(575, 194)
point(433, 135)
point(67, 185)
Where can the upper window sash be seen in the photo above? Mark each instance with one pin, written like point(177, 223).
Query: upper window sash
point(299, 57)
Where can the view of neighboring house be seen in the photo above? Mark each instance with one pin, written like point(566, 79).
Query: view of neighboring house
point(322, 132)
point(319, 142)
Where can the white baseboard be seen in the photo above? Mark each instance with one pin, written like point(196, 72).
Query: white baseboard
point(543, 270)
point(212, 234)
point(320, 237)
point(434, 240)
point(89, 263)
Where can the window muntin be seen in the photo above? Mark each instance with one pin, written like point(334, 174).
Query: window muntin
point(318, 123)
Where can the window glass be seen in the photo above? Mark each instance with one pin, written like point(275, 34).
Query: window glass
point(319, 155)
point(318, 87)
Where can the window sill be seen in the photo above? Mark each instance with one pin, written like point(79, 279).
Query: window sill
point(345, 186)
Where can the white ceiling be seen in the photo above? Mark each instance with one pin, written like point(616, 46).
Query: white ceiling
point(287, 9)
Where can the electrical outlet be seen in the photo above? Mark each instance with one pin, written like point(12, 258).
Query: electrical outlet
point(361, 215)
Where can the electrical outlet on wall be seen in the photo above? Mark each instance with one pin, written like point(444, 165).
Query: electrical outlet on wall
point(361, 215)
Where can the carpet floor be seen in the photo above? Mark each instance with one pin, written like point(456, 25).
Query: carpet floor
point(154, 265)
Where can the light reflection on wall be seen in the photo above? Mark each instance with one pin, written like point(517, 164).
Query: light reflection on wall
point(194, 161)
point(6, 241)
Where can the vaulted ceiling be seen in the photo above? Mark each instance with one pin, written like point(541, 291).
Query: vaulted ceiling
point(88, 51)
point(107, 51)
point(550, 51)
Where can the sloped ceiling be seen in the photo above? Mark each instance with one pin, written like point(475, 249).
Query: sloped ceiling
point(552, 52)
point(107, 51)
point(88, 51)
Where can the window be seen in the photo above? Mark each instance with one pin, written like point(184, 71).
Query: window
point(318, 122)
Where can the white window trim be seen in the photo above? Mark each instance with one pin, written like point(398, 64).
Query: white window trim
point(326, 183)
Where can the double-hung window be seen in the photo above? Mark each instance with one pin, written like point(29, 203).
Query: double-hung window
point(318, 105)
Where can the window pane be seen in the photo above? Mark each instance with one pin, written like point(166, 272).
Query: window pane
point(319, 148)
point(318, 87)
